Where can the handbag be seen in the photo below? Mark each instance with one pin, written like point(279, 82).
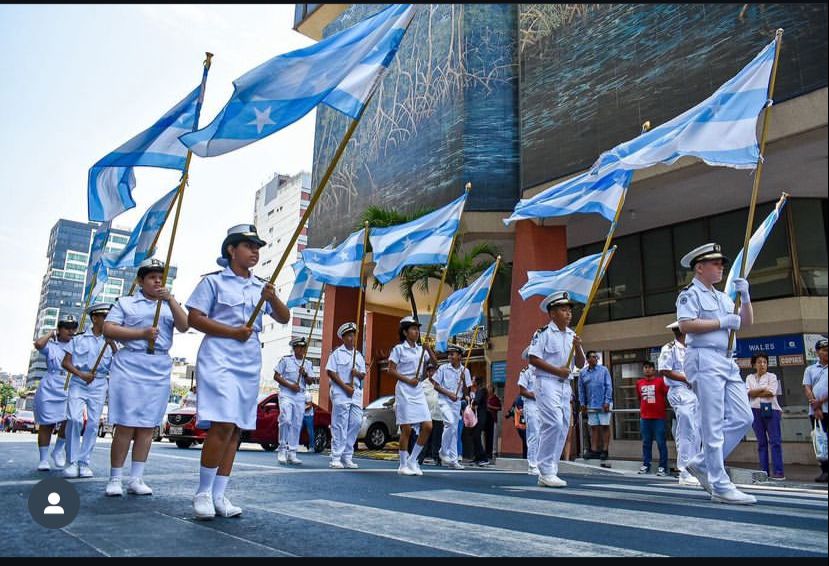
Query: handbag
point(765, 410)
point(518, 419)
point(470, 419)
point(819, 442)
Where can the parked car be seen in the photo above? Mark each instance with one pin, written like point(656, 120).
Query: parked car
point(24, 420)
point(181, 426)
point(379, 423)
point(158, 432)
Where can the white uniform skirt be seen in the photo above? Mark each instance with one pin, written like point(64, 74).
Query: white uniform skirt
point(227, 381)
point(139, 388)
point(413, 409)
point(50, 399)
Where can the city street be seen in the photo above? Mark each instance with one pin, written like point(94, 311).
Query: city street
point(311, 510)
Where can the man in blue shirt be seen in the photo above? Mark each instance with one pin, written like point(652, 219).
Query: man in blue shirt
point(596, 399)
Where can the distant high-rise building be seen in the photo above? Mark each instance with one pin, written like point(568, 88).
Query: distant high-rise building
point(279, 205)
point(65, 279)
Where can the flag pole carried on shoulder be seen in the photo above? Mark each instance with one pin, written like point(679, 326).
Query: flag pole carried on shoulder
point(179, 198)
point(758, 171)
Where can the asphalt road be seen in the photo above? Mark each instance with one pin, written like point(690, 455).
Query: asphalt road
point(311, 510)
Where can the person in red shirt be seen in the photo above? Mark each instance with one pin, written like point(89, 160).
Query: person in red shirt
point(652, 393)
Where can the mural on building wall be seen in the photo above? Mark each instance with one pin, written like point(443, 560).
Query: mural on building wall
point(591, 74)
point(444, 114)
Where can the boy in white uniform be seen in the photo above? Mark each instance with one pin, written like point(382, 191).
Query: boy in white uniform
point(526, 386)
point(292, 373)
point(451, 382)
point(346, 368)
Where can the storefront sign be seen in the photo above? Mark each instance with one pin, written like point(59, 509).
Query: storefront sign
point(498, 371)
point(792, 360)
point(770, 345)
point(745, 363)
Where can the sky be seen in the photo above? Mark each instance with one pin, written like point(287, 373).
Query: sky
point(78, 81)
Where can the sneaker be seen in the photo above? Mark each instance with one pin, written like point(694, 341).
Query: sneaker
point(350, 465)
point(84, 471)
point(661, 472)
point(446, 461)
point(71, 471)
point(281, 457)
point(551, 481)
point(114, 487)
point(823, 477)
point(685, 478)
point(482, 463)
point(407, 470)
point(416, 468)
point(136, 486)
point(336, 464)
point(780, 477)
point(58, 459)
point(224, 508)
point(701, 477)
point(292, 459)
point(644, 470)
point(203, 506)
point(43, 466)
point(734, 497)
point(533, 471)
point(456, 466)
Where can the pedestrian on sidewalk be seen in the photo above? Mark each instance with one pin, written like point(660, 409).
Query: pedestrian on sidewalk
point(817, 392)
point(596, 400)
point(762, 393)
point(652, 393)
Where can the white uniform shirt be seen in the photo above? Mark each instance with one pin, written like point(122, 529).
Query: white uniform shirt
point(815, 376)
point(698, 302)
point(340, 362)
point(407, 358)
point(553, 346)
point(527, 379)
point(230, 299)
point(448, 377)
point(85, 349)
point(288, 367)
point(137, 311)
point(671, 358)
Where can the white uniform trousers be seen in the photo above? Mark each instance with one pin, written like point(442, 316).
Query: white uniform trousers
point(553, 399)
point(725, 413)
point(92, 397)
point(346, 419)
point(291, 412)
point(687, 437)
point(533, 420)
point(450, 414)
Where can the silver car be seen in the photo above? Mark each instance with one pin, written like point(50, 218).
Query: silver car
point(379, 423)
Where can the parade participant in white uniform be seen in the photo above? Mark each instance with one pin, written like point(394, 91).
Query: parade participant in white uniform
point(50, 397)
point(86, 389)
point(229, 361)
point(548, 353)
point(527, 387)
point(139, 385)
point(346, 369)
point(293, 375)
point(451, 388)
point(410, 405)
point(705, 316)
point(683, 401)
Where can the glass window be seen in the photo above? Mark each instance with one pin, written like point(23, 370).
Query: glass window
point(600, 308)
point(625, 278)
point(687, 236)
point(658, 260)
point(809, 224)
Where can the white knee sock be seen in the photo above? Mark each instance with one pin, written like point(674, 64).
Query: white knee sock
point(416, 451)
point(44, 453)
point(219, 486)
point(137, 469)
point(404, 457)
point(116, 473)
point(206, 478)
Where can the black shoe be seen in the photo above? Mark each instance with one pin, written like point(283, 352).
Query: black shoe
point(590, 455)
point(604, 455)
point(823, 477)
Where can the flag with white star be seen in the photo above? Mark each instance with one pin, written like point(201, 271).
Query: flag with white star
point(111, 180)
point(338, 266)
point(575, 278)
point(305, 287)
point(463, 309)
point(341, 71)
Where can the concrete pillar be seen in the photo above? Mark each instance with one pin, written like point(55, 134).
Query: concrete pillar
point(541, 248)
point(381, 337)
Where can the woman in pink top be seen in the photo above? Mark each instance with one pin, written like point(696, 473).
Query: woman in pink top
point(762, 395)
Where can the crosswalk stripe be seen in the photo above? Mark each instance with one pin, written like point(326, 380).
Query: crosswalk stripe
point(698, 492)
point(799, 539)
point(763, 509)
point(442, 534)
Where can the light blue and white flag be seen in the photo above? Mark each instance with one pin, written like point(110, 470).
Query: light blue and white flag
point(305, 287)
point(583, 194)
point(423, 241)
point(755, 245)
point(338, 266)
point(95, 269)
point(721, 130)
point(463, 309)
point(575, 278)
point(112, 179)
point(143, 235)
point(340, 71)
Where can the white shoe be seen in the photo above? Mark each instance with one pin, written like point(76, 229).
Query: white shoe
point(415, 467)
point(71, 471)
point(551, 481)
point(292, 459)
point(224, 508)
point(350, 465)
point(734, 497)
point(59, 459)
point(336, 464)
point(685, 478)
point(533, 471)
point(84, 471)
point(701, 476)
point(281, 457)
point(456, 466)
point(407, 470)
point(136, 486)
point(114, 487)
point(43, 466)
point(203, 506)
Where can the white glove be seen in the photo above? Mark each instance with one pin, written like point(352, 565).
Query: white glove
point(741, 286)
point(730, 321)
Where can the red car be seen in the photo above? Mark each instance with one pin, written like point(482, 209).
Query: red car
point(181, 426)
point(24, 420)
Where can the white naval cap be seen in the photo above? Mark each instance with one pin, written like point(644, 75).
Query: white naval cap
point(555, 299)
point(236, 234)
point(298, 342)
point(704, 252)
point(408, 321)
point(454, 348)
point(69, 320)
point(346, 327)
point(150, 265)
point(99, 308)
point(821, 343)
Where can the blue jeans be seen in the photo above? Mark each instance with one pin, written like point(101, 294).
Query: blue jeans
point(768, 434)
point(460, 439)
point(308, 424)
point(654, 429)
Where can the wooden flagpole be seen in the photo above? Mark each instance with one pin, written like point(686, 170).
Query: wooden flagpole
point(311, 331)
point(358, 320)
point(155, 240)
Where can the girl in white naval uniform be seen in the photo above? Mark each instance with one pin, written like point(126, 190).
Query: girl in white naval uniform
point(410, 405)
point(86, 390)
point(527, 387)
point(50, 398)
point(451, 382)
point(292, 373)
point(229, 361)
point(139, 384)
point(346, 368)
